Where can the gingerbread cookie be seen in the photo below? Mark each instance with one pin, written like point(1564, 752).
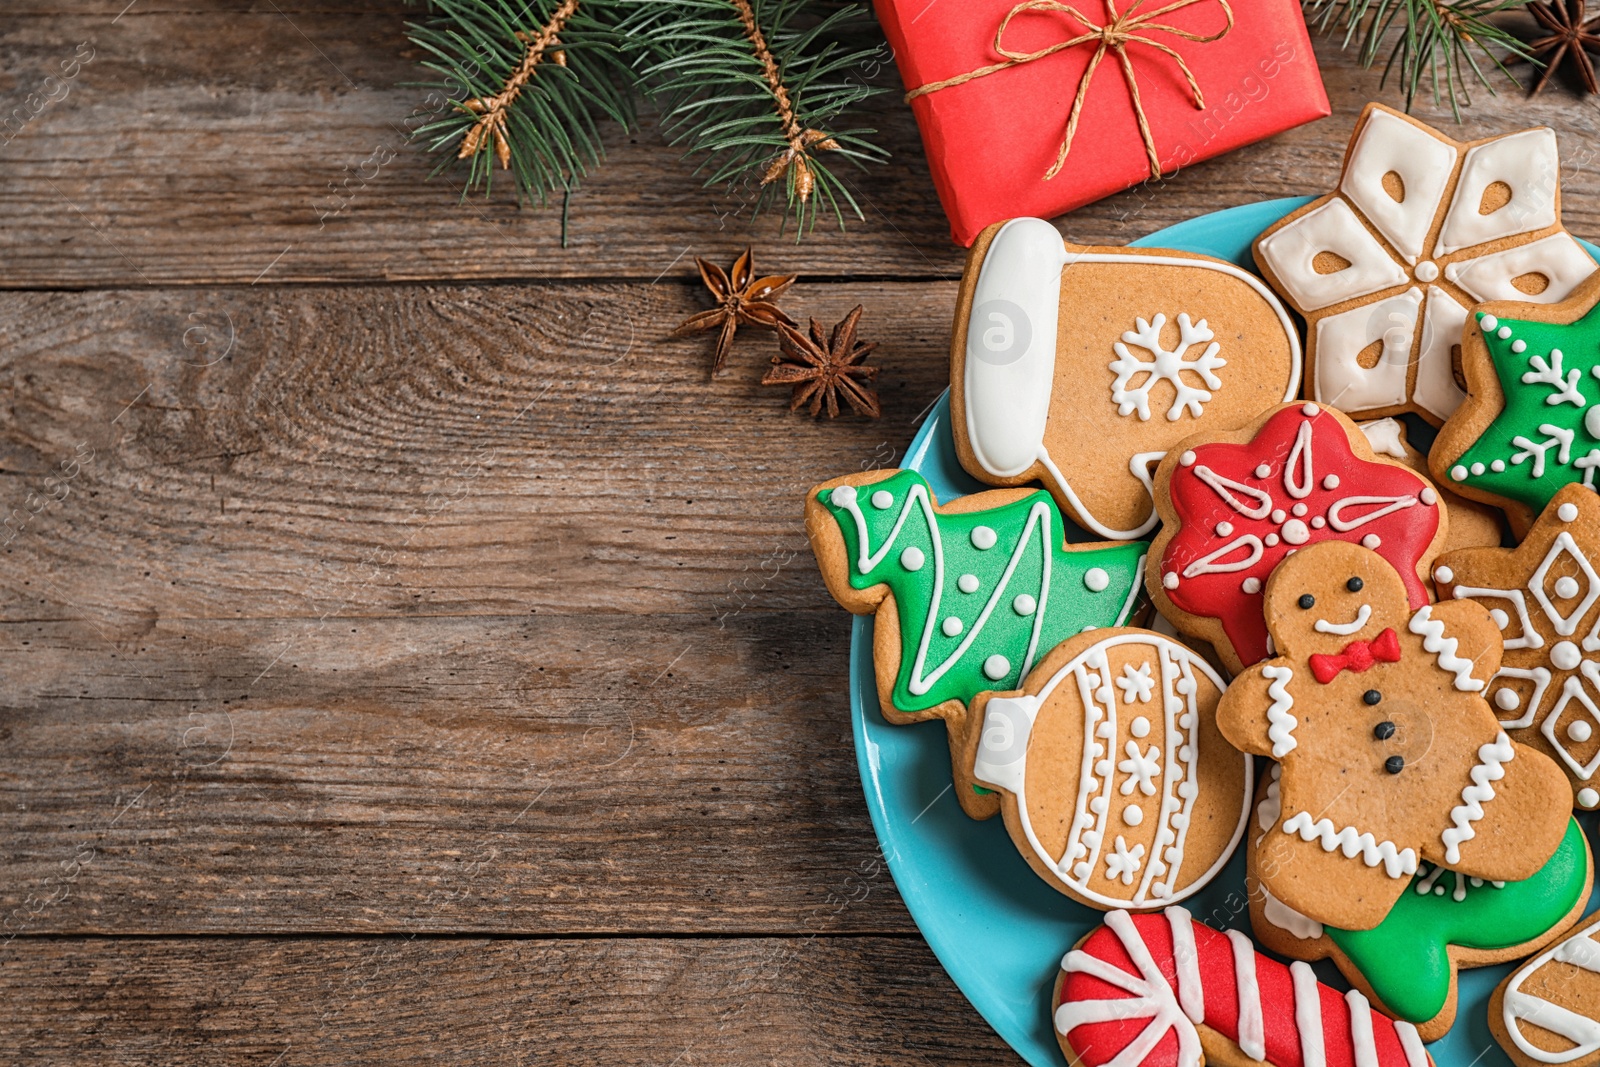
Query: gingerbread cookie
point(1528, 427)
point(967, 595)
point(1472, 524)
point(1548, 1011)
point(1407, 964)
point(1391, 756)
point(1545, 597)
point(1421, 228)
point(1234, 505)
point(1166, 991)
point(1078, 367)
point(1115, 784)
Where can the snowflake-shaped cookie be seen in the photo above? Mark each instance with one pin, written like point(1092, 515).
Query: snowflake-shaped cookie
point(1235, 505)
point(1532, 424)
point(1421, 228)
point(1165, 365)
point(1545, 597)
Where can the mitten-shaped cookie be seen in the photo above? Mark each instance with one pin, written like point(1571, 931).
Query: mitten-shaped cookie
point(1390, 755)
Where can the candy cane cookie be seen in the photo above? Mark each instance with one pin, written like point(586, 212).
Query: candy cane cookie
point(1548, 1012)
point(1162, 990)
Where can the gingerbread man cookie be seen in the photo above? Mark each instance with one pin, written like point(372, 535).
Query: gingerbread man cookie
point(1545, 596)
point(967, 596)
point(1234, 505)
point(1445, 921)
point(1391, 756)
point(1421, 228)
point(1117, 788)
point(1078, 367)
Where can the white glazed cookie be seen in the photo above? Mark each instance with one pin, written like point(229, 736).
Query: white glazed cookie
point(1115, 783)
point(1078, 367)
point(1420, 228)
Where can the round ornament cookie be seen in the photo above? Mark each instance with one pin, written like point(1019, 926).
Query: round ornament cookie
point(1235, 505)
point(1420, 229)
point(1547, 1012)
point(1531, 422)
point(966, 596)
point(1545, 597)
point(1077, 367)
point(1115, 784)
point(1445, 921)
point(1390, 755)
point(1166, 991)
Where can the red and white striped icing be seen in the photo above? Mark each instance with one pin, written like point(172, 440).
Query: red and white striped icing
point(1137, 987)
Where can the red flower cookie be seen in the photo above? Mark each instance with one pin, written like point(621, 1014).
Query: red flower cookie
point(1233, 506)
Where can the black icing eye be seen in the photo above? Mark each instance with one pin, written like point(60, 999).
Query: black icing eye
point(1383, 731)
point(1307, 601)
point(1394, 764)
point(1354, 585)
point(1371, 696)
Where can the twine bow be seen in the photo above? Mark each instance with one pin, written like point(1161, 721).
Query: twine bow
point(1129, 26)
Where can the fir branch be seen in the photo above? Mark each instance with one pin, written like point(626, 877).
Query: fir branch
point(1440, 45)
point(529, 84)
point(754, 87)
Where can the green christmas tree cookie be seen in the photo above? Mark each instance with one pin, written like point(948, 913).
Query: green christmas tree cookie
point(1531, 423)
point(967, 596)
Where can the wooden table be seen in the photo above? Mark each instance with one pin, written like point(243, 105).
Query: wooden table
point(408, 654)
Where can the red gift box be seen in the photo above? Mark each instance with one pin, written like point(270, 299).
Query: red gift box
point(995, 86)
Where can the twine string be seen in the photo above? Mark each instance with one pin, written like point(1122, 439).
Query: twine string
point(1120, 30)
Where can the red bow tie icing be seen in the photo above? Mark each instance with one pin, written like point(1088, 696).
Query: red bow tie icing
point(1357, 657)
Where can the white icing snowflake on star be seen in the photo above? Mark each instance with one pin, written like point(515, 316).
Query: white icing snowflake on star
point(1400, 182)
point(1167, 365)
point(1136, 683)
point(1141, 769)
point(1122, 863)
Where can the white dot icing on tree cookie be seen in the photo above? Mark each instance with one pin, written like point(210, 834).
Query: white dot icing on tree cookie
point(912, 559)
point(1024, 605)
point(983, 538)
point(883, 500)
point(1095, 579)
point(996, 666)
point(951, 627)
point(967, 583)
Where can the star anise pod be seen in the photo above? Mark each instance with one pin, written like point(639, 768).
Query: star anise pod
point(1571, 36)
point(822, 370)
point(742, 300)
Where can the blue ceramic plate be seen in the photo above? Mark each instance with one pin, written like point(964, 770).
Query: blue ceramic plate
point(997, 928)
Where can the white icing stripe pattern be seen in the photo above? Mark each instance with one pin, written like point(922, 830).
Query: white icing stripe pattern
point(1361, 1039)
point(1186, 960)
point(1152, 998)
point(1308, 1014)
point(1040, 519)
point(1252, 1029)
point(1280, 723)
point(1443, 648)
point(1397, 862)
point(1492, 759)
point(1579, 950)
point(1411, 1041)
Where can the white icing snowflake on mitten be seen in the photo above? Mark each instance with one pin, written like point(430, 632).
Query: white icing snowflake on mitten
point(1167, 366)
point(1499, 237)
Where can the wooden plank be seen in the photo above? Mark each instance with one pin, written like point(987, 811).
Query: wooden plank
point(842, 1002)
point(419, 450)
point(544, 775)
point(200, 144)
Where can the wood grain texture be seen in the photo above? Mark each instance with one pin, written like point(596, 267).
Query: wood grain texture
point(422, 450)
point(200, 144)
point(864, 1001)
point(542, 776)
